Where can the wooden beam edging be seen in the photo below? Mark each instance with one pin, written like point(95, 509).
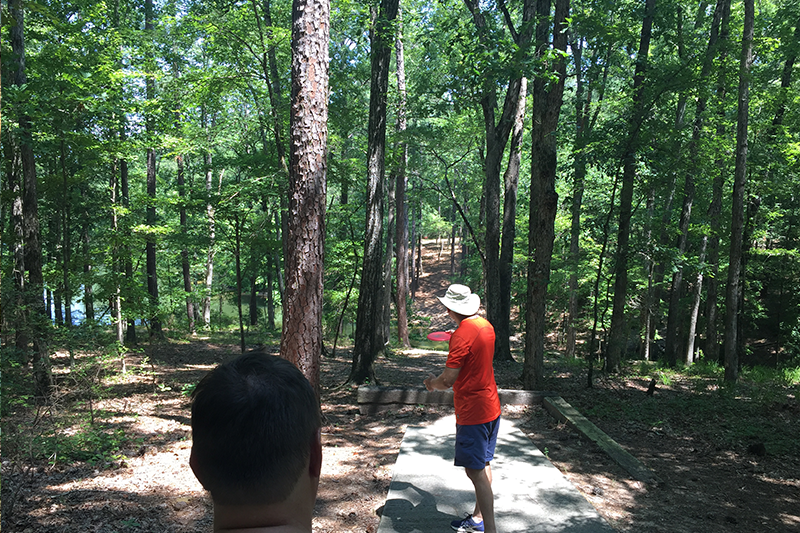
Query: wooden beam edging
point(374, 399)
point(564, 412)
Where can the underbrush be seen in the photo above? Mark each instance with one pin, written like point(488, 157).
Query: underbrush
point(760, 411)
point(70, 427)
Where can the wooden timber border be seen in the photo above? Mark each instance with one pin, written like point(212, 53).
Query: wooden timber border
point(375, 399)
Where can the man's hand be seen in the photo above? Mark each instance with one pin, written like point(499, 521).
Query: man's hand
point(429, 382)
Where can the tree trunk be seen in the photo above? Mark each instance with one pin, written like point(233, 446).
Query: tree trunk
point(715, 209)
point(237, 229)
point(697, 291)
point(270, 298)
point(386, 289)
point(368, 337)
point(130, 330)
point(401, 220)
point(273, 80)
point(547, 98)
point(88, 289)
point(253, 307)
point(15, 186)
point(737, 210)
point(185, 267)
point(212, 250)
point(301, 339)
point(511, 185)
point(414, 256)
point(66, 241)
point(150, 247)
point(29, 211)
point(116, 298)
point(619, 325)
point(673, 343)
point(579, 177)
point(496, 137)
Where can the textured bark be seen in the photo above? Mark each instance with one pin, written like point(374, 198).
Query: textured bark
point(619, 325)
point(368, 337)
point(301, 339)
point(737, 210)
point(547, 98)
point(401, 209)
point(28, 214)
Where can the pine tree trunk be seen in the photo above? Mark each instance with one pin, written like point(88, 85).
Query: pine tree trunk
point(737, 210)
point(301, 339)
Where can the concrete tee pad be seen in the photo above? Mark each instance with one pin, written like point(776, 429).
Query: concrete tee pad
point(530, 494)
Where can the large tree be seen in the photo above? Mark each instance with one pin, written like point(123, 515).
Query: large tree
point(369, 329)
point(497, 132)
point(301, 338)
point(548, 91)
point(732, 296)
point(619, 325)
point(31, 321)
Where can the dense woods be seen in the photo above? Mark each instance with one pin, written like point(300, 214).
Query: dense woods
point(620, 177)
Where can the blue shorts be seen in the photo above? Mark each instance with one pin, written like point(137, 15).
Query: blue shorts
point(475, 444)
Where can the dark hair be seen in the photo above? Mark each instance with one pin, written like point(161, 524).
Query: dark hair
point(253, 421)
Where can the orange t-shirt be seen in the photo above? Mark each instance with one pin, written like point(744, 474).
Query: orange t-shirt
point(475, 391)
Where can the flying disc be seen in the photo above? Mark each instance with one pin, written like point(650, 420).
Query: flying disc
point(439, 336)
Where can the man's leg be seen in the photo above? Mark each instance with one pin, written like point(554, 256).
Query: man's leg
point(484, 497)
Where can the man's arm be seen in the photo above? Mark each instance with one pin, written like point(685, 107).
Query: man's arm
point(443, 381)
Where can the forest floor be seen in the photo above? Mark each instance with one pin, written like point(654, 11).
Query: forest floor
point(727, 459)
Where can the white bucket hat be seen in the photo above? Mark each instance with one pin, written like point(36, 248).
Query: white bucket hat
point(460, 299)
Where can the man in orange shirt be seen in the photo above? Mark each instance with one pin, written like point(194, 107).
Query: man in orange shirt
point(470, 372)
